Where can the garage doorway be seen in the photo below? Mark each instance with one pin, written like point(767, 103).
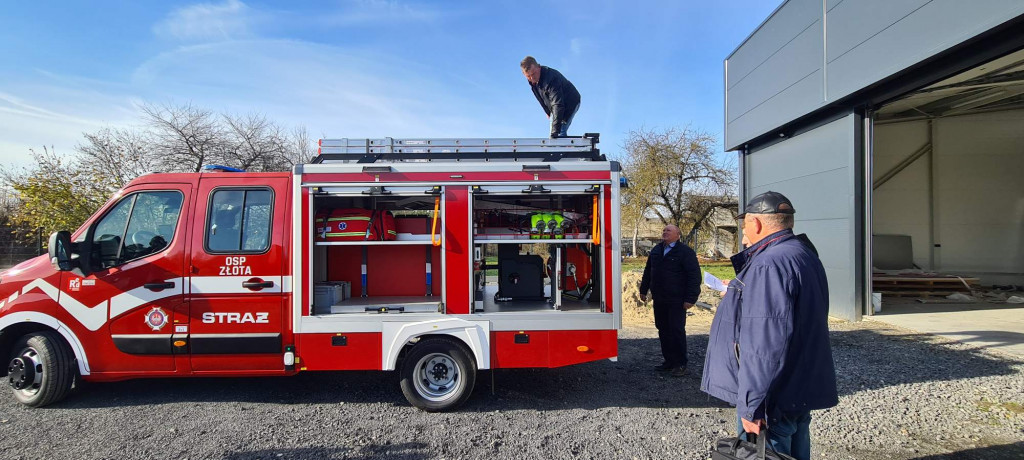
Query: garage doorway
point(947, 206)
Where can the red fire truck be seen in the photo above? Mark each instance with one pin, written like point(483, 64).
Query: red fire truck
point(433, 257)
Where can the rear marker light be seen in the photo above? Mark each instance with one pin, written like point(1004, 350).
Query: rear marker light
point(583, 349)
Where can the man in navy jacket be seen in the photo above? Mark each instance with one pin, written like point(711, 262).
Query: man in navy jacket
point(673, 276)
point(769, 351)
point(555, 93)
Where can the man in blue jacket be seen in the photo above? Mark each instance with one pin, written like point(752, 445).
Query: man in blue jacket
point(672, 275)
point(556, 94)
point(769, 351)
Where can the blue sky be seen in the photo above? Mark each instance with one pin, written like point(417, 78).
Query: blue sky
point(369, 68)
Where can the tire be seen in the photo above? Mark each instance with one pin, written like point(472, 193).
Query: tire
point(41, 369)
point(438, 374)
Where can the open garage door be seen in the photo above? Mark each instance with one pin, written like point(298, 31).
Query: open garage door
point(948, 195)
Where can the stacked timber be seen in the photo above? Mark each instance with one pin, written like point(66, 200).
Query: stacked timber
point(922, 285)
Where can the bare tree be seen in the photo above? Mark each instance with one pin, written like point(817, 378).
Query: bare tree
point(186, 137)
point(255, 143)
point(636, 201)
point(677, 177)
point(116, 156)
point(300, 146)
point(60, 192)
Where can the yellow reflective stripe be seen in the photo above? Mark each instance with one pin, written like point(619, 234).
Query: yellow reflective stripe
point(336, 219)
point(347, 234)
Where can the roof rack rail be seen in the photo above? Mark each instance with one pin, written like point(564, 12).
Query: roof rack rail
point(583, 148)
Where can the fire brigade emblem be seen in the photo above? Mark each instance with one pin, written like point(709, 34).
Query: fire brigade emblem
point(156, 319)
point(342, 226)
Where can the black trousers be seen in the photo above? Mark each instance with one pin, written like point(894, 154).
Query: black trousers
point(670, 319)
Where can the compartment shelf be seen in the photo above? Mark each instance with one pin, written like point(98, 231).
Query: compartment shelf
point(403, 239)
point(373, 243)
point(408, 304)
point(527, 240)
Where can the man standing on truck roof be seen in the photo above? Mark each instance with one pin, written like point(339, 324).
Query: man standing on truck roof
point(556, 94)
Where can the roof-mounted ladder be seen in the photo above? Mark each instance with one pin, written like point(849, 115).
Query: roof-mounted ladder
point(389, 149)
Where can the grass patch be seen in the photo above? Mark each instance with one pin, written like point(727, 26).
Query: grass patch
point(633, 263)
point(1014, 407)
point(986, 405)
point(721, 269)
point(722, 272)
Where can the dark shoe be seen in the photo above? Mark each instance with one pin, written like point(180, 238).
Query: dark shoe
point(663, 367)
point(678, 372)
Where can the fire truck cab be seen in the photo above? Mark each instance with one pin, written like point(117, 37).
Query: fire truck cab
point(433, 257)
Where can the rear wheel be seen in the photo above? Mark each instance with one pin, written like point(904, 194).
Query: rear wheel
point(438, 374)
point(41, 369)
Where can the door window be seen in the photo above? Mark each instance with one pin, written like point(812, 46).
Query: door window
point(239, 221)
point(139, 225)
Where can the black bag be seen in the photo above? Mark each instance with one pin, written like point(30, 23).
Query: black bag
point(741, 449)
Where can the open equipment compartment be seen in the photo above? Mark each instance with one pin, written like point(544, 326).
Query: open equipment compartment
point(370, 263)
point(536, 248)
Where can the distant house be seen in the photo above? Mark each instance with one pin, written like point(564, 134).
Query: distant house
point(724, 239)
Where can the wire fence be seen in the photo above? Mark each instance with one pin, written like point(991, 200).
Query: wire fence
point(18, 245)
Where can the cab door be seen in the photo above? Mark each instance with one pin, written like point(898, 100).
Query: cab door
point(135, 265)
point(236, 280)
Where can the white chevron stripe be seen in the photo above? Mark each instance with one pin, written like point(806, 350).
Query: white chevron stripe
point(92, 318)
point(233, 284)
point(127, 301)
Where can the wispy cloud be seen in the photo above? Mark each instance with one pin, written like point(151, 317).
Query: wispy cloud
point(208, 21)
point(363, 12)
point(576, 46)
point(54, 111)
point(339, 90)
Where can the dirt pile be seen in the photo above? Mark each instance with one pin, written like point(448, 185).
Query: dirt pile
point(637, 313)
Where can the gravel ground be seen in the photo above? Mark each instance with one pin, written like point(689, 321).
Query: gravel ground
point(903, 396)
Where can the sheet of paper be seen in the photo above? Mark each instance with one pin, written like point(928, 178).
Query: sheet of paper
point(713, 282)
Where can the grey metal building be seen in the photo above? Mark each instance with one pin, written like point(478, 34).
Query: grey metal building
point(888, 117)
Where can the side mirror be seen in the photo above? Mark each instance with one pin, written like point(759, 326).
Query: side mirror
point(60, 250)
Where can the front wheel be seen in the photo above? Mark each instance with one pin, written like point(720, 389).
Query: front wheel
point(438, 374)
point(41, 369)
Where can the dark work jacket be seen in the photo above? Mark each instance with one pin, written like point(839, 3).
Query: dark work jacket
point(769, 344)
point(672, 277)
point(556, 95)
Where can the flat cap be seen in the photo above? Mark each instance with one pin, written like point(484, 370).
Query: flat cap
point(768, 203)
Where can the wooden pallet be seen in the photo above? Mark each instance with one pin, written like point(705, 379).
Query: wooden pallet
point(917, 293)
point(921, 286)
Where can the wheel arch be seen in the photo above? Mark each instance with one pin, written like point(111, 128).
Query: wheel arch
point(397, 337)
point(15, 325)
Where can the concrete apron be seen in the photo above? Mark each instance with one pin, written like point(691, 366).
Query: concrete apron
point(992, 326)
